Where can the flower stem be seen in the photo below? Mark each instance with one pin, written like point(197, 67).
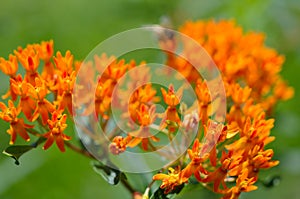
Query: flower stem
point(79, 150)
point(127, 186)
point(89, 155)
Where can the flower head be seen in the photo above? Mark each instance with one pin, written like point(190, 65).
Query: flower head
point(57, 125)
point(170, 180)
point(9, 67)
point(30, 60)
point(17, 125)
point(43, 107)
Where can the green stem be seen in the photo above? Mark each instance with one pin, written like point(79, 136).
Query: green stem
point(33, 132)
point(79, 150)
point(127, 186)
point(89, 155)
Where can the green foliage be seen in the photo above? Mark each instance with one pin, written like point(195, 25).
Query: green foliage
point(110, 175)
point(17, 151)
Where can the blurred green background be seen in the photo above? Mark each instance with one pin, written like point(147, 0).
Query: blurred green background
point(80, 25)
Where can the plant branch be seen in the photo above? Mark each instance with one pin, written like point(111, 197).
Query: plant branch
point(79, 150)
point(127, 186)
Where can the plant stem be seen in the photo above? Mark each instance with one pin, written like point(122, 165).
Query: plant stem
point(34, 132)
point(127, 186)
point(79, 150)
point(89, 155)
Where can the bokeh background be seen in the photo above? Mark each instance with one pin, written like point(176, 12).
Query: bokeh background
point(79, 25)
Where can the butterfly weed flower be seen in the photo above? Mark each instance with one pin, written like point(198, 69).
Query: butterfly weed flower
point(170, 180)
point(36, 94)
point(44, 106)
point(244, 183)
point(27, 103)
point(30, 60)
point(10, 114)
point(172, 99)
point(146, 116)
point(9, 67)
point(56, 125)
point(228, 163)
point(253, 85)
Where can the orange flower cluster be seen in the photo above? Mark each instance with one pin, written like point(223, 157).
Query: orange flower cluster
point(41, 95)
point(253, 86)
point(240, 57)
point(142, 111)
point(250, 72)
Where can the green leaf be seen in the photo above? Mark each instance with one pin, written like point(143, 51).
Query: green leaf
point(17, 151)
point(110, 175)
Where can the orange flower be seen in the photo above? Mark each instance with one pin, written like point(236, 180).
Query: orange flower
point(45, 50)
point(43, 107)
point(282, 91)
point(115, 70)
point(146, 116)
point(145, 94)
point(170, 180)
point(30, 60)
point(17, 125)
point(65, 86)
point(102, 100)
point(258, 158)
point(238, 94)
point(9, 67)
point(240, 57)
point(195, 166)
point(27, 104)
point(119, 144)
point(172, 99)
point(243, 184)
point(56, 125)
point(229, 162)
point(64, 64)
point(204, 100)
point(236, 149)
point(253, 133)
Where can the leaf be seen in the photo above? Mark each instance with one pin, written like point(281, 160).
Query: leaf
point(110, 175)
point(17, 151)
